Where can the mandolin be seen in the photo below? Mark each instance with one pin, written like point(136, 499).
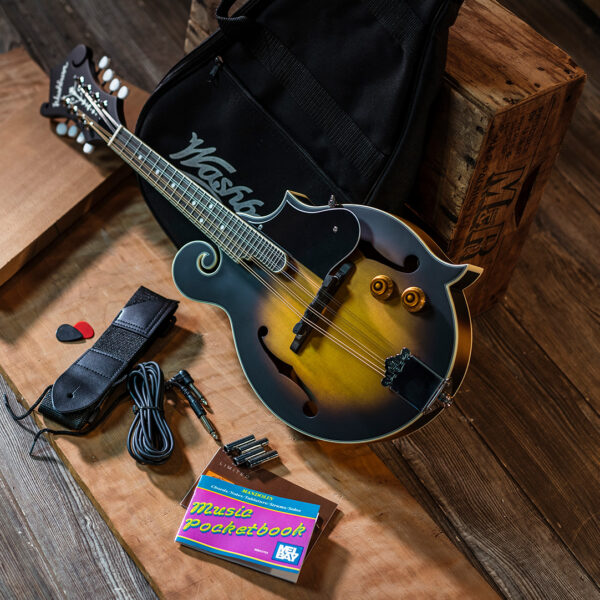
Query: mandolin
point(349, 323)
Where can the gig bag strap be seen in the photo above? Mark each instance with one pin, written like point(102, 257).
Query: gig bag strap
point(310, 95)
point(398, 18)
point(89, 379)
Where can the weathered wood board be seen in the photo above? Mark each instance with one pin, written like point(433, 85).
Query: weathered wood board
point(383, 544)
point(46, 181)
point(506, 102)
point(508, 98)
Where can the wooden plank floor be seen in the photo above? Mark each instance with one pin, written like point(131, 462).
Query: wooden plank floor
point(510, 473)
point(512, 476)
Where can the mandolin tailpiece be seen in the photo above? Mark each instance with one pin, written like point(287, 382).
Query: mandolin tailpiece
point(413, 380)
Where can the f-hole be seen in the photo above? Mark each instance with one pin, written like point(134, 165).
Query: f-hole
point(411, 262)
point(310, 408)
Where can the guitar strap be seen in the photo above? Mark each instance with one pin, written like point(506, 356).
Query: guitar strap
point(76, 397)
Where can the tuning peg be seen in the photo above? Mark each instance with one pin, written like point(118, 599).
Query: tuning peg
point(104, 62)
point(61, 129)
point(108, 75)
point(113, 86)
point(80, 138)
point(73, 131)
point(88, 148)
point(123, 92)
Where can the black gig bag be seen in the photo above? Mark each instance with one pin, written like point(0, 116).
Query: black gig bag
point(316, 96)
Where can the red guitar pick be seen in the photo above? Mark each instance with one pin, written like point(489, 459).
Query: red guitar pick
point(85, 329)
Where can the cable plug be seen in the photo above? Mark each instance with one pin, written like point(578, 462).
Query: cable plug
point(195, 404)
point(183, 378)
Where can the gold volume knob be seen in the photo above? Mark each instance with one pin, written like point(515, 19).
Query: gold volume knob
point(413, 299)
point(382, 287)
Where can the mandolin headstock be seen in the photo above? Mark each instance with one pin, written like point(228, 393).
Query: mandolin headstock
point(82, 92)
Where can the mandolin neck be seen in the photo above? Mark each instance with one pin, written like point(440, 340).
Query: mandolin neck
point(228, 231)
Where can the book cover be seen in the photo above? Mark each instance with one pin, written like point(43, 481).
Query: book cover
point(264, 480)
point(268, 533)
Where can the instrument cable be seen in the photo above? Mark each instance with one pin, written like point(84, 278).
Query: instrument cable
point(150, 441)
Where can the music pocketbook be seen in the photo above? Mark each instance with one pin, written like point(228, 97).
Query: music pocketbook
point(263, 484)
point(254, 529)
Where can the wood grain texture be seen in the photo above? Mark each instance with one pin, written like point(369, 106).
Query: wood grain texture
point(202, 22)
point(78, 533)
point(541, 428)
point(476, 499)
point(9, 36)
point(21, 80)
point(483, 510)
point(565, 232)
point(92, 270)
point(580, 155)
point(47, 181)
point(54, 542)
point(147, 36)
point(546, 439)
point(507, 98)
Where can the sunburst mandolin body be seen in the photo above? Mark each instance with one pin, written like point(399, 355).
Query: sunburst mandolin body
point(330, 387)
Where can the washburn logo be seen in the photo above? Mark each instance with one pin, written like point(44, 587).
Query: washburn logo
point(58, 86)
point(208, 171)
point(72, 91)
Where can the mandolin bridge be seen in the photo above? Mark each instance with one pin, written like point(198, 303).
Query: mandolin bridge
point(413, 380)
point(312, 314)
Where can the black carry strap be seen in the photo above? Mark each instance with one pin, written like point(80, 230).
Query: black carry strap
point(398, 18)
point(76, 398)
point(76, 431)
point(97, 370)
point(310, 95)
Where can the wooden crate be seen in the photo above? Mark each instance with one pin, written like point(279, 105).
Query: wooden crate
point(507, 100)
point(506, 103)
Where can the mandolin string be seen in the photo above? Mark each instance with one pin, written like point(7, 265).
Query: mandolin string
point(157, 180)
point(299, 285)
point(340, 319)
point(350, 350)
point(331, 300)
point(300, 300)
point(126, 150)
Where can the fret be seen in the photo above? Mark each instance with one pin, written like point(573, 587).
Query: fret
point(241, 233)
point(235, 236)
